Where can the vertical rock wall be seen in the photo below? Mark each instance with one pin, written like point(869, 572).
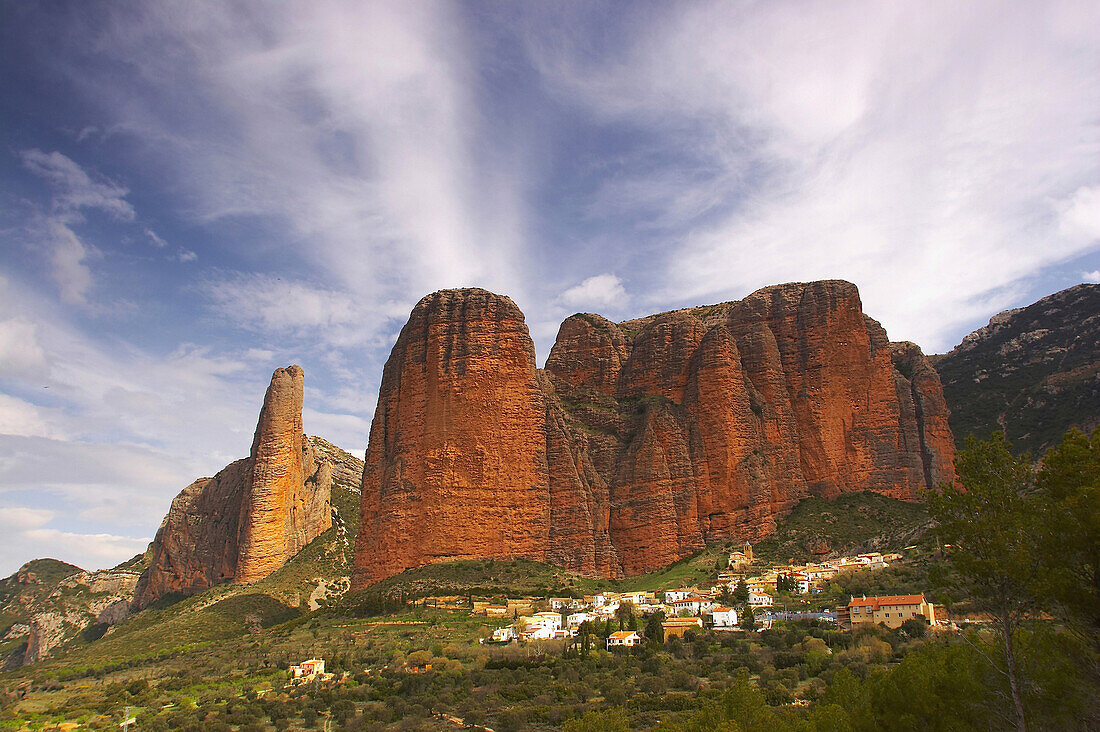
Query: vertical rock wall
point(642, 440)
point(456, 466)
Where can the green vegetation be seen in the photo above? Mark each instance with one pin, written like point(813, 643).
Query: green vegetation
point(850, 523)
point(1018, 544)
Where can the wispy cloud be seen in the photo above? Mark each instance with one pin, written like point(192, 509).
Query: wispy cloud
point(75, 188)
point(938, 156)
point(155, 239)
point(67, 261)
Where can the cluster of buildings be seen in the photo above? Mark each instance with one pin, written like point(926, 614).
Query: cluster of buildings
point(692, 607)
point(806, 578)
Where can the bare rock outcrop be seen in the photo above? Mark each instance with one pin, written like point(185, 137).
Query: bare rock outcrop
point(253, 515)
point(642, 440)
point(456, 465)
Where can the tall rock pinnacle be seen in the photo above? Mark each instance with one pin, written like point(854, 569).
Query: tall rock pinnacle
point(254, 515)
point(268, 535)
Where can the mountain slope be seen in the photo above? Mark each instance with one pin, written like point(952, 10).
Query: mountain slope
point(1032, 372)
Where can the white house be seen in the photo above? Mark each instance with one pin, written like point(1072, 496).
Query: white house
point(549, 620)
point(623, 638)
point(557, 603)
point(505, 634)
point(608, 609)
point(803, 581)
point(759, 599)
point(538, 632)
point(693, 605)
point(723, 617)
point(576, 619)
point(672, 596)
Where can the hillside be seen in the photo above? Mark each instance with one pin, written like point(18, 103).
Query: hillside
point(852, 523)
point(51, 608)
point(1032, 372)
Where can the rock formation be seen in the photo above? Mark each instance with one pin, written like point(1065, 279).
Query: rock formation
point(253, 515)
point(52, 602)
point(457, 463)
point(642, 440)
point(1032, 372)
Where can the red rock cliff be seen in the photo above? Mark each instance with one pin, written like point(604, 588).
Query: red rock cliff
point(657, 435)
point(254, 515)
point(456, 466)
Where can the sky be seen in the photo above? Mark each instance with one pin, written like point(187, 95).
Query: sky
point(194, 194)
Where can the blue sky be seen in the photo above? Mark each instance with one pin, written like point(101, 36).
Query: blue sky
point(193, 194)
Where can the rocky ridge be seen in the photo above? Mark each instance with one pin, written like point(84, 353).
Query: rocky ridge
point(253, 515)
point(51, 602)
point(1033, 372)
point(640, 441)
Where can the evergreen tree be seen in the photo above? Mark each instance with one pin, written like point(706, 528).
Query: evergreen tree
point(1069, 548)
point(988, 527)
point(748, 619)
point(653, 630)
point(741, 593)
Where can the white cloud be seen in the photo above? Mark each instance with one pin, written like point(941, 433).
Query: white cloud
point(186, 255)
point(603, 290)
point(19, 417)
point(21, 355)
point(351, 129)
point(67, 256)
point(349, 431)
point(87, 551)
point(20, 518)
point(1093, 276)
point(156, 240)
point(272, 304)
point(1080, 216)
point(74, 188)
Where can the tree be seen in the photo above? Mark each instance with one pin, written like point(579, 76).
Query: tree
point(654, 629)
point(748, 619)
point(1069, 490)
point(607, 720)
point(988, 526)
point(741, 593)
point(623, 613)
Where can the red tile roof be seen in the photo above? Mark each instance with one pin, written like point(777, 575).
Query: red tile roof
point(877, 602)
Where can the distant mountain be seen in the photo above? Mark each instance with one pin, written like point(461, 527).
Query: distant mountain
point(1032, 372)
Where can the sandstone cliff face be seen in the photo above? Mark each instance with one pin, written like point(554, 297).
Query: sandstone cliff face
point(642, 440)
point(456, 466)
point(254, 515)
point(282, 511)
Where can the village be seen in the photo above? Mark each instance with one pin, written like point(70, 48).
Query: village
point(739, 600)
